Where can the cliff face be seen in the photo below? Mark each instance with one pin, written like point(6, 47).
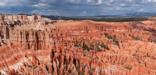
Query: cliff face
point(36, 45)
point(21, 29)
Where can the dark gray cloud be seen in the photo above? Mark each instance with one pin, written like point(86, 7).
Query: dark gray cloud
point(77, 7)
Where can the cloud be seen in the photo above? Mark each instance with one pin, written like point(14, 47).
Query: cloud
point(4, 3)
point(77, 7)
point(40, 5)
point(151, 0)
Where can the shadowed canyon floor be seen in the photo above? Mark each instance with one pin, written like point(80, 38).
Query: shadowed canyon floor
point(34, 45)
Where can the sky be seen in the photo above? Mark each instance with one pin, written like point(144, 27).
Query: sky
point(77, 7)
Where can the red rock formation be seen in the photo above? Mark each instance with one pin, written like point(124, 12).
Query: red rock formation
point(33, 45)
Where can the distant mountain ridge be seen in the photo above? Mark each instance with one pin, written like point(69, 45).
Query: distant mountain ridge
point(141, 14)
point(99, 18)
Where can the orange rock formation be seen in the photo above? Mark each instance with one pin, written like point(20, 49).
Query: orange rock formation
point(34, 45)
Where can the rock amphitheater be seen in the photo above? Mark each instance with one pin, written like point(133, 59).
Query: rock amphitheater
point(34, 45)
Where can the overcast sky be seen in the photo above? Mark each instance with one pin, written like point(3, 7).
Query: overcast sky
point(77, 7)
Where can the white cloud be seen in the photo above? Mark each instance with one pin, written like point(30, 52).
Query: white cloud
point(149, 1)
point(98, 2)
point(111, 1)
point(118, 8)
point(2, 4)
point(46, 12)
point(94, 2)
point(152, 0)
point(141, 10)
point(130, 0)
point(74, 1)
point(123, 4)
point(8, 3)
point(41, 5)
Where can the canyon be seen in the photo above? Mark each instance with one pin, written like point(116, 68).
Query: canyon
point(35, 45)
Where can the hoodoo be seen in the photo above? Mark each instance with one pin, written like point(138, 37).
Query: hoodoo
point(35, 45)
